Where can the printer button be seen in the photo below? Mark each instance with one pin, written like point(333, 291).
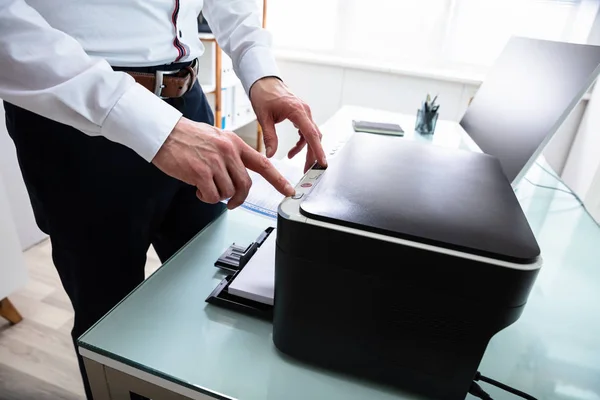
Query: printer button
point(297, 196)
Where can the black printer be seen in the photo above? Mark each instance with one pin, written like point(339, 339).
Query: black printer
point(400, 262)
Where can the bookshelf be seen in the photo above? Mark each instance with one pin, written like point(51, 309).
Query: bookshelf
point(231, 106)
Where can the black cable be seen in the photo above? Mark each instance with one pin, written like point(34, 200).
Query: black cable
point(478, 392)
point(516, 392)
point(555, 188)
point(547, 171)
point(558, 178)
point(569, 191)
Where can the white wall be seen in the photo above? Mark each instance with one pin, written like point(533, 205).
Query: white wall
point(22, 214)
point(582, 168)
point(593, 197)
point(12, 266)
point(326, 88)
point(594, 37)
point(558, 149)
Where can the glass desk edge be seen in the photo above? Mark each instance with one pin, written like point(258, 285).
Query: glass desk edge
point(81, 343)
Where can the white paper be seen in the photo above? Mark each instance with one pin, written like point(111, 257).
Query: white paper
point(256, 281)
point(263, 198)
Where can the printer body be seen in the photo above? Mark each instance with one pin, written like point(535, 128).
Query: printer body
point(399, 263)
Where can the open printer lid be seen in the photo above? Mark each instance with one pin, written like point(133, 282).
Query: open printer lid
point(449, 198)
point(527, 95)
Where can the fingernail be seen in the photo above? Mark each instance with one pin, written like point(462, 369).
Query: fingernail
point(290, 189)
point(269, 148)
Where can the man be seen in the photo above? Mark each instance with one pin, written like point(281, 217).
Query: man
point(115, 138)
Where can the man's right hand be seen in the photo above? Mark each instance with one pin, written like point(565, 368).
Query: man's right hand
point(215, 162)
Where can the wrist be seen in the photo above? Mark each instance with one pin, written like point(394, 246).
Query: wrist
point(265, 81)
point(186, 128)
point(182, 125)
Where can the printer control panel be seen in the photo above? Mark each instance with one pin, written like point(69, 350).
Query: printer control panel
point(307, 183)
point(290, 206)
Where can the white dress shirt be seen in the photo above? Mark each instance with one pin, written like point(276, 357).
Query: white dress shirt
point(56, 58)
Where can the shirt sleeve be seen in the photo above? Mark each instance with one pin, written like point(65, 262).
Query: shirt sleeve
point(45, 71)
point(237, 27)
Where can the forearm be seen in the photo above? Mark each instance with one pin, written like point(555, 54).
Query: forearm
point(47, 72)
point(237, 27)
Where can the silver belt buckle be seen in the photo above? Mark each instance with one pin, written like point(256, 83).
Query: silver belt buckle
point(158, 85)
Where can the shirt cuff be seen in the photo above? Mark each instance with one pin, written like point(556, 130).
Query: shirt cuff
point(258, 62)
point(141, 121)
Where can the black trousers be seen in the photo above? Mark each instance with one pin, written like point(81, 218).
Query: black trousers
point(103, 206)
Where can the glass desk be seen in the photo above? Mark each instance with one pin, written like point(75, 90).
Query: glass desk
point(165, 342)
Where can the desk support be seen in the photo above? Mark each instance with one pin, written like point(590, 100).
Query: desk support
point(8, 311)
point(108, 383)
point(97, 378)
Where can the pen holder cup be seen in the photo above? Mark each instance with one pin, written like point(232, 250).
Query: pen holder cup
point(426, 121)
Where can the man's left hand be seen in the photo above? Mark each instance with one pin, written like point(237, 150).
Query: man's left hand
point(273, 103)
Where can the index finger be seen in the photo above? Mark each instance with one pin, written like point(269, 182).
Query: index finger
point(311, 135)
point(260, 164)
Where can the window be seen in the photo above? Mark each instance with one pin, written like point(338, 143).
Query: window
point(303, 24)
point(391, 23)
point(456, 34)
point(481, 28)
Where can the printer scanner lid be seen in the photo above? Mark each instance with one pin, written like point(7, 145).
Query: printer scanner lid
point(448, 198)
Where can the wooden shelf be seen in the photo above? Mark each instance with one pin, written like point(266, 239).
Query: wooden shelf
point(241, 124)
point(232, 82)
point(208, 89)
point(216, 89)
point(209, 37)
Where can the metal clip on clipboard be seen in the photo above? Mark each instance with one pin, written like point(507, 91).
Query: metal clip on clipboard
point(234, 259)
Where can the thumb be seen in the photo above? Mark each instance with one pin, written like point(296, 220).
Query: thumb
point(269, 136)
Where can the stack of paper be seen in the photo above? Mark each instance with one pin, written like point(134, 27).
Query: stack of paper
point(256, 281)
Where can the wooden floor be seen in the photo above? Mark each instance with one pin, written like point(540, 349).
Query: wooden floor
point(37, 359)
